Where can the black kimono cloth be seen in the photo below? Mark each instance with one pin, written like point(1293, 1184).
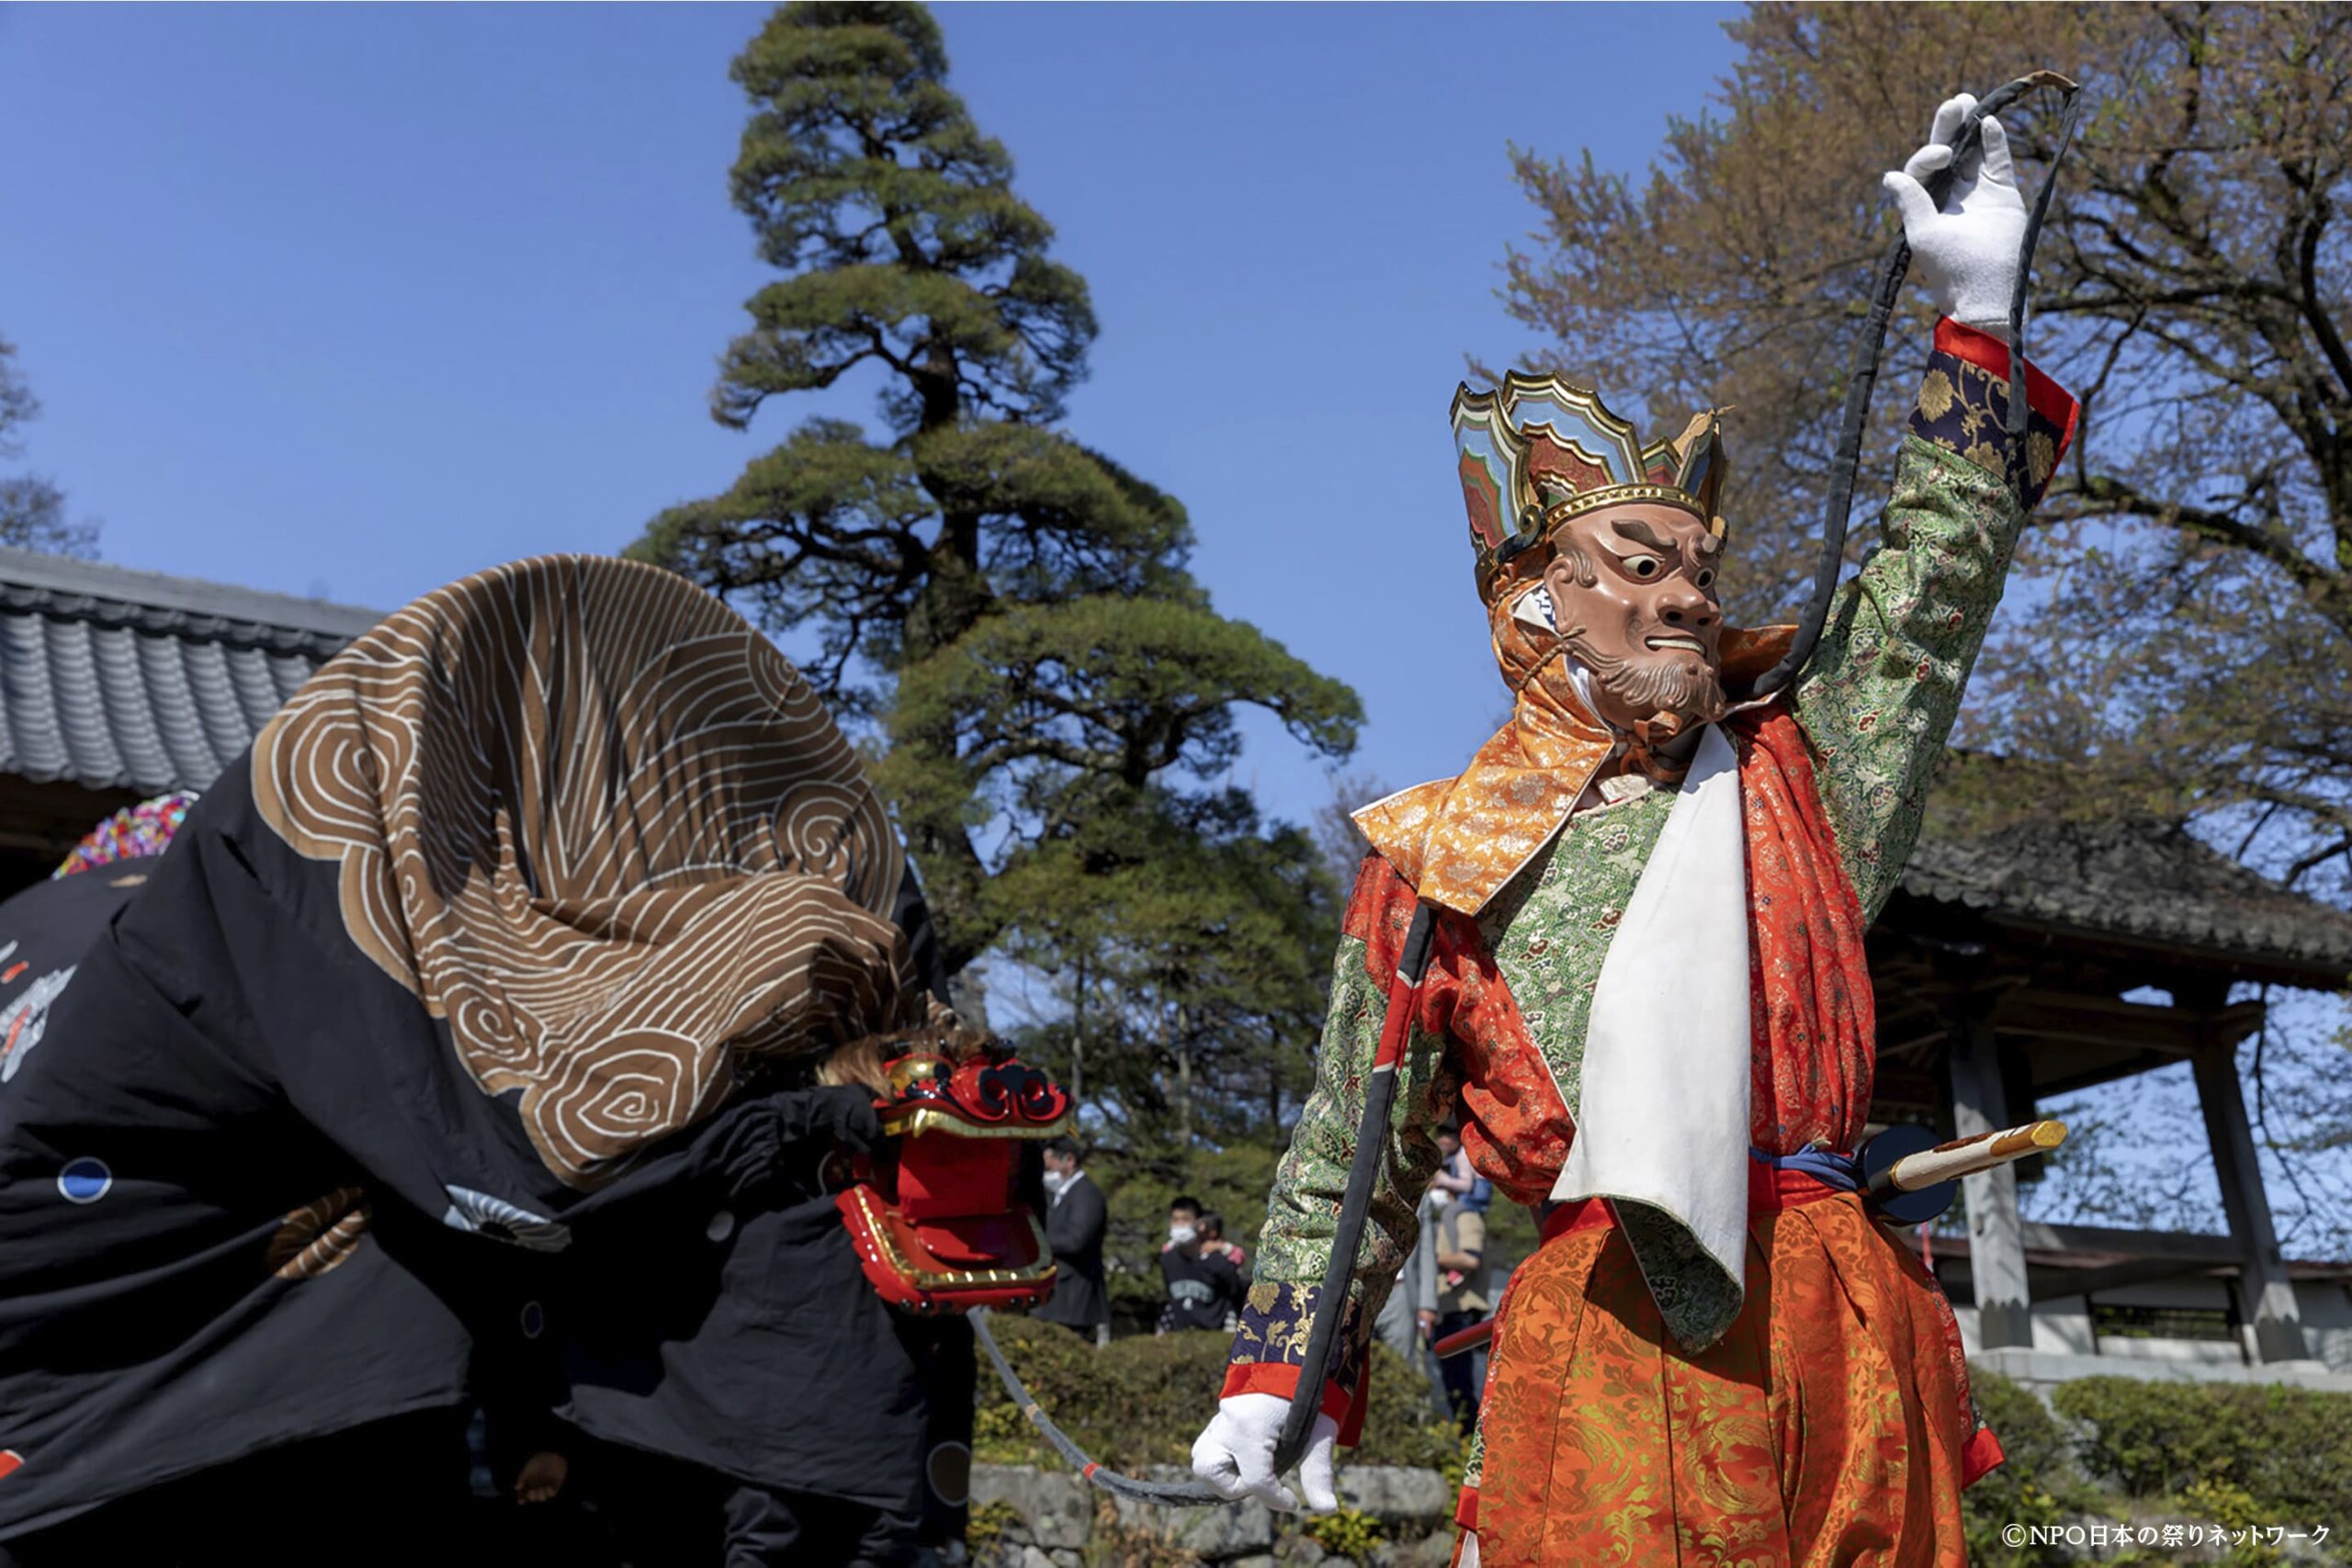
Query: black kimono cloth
point(468, 1019)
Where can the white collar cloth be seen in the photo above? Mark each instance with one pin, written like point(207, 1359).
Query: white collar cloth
point(1662, 1111)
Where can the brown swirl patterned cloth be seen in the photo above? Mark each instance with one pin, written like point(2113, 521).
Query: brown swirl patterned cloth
point(499, 965)
point(606, 835)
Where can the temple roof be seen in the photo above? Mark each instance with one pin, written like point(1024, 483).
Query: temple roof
point(115, 679)
point(2141, 882)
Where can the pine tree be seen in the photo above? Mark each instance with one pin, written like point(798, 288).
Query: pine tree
point(1008, 610)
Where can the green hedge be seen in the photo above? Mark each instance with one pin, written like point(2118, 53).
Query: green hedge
point(2036, 1483)
point(2288, 1448)
point(2213, 1451)
point(1143, 1399)
point(2226, 1454)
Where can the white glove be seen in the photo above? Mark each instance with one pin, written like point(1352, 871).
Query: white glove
point(1235, 1454)
point(1967, 252)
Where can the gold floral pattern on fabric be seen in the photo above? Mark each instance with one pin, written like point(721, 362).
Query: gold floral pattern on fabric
point(1884, 686)
point(1827, 1428)
point(1697, 1300)
point(1302, 1210)
point(1549, 929)
point(1645, 1434)
point(1814, 1017)
point(1516, 1066)
point(1278, 1318)
point(1468, 1046)
point(1460, 840)
point(1963, 408)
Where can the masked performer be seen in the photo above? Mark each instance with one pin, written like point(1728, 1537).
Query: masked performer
point(1646, 989)
point(479, 1008)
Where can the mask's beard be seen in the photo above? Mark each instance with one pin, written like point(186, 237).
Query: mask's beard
point(1689, 690)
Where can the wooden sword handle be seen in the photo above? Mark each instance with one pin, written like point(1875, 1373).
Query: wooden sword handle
point(1968, 1156)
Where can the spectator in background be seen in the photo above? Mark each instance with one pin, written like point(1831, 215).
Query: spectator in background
point(1183, 1216)
point(1204, 1287)
point(1212, 1242)
point(1470, 1190)
point(1186, 1214)
point(1408, 1321)
point(1075, 1218)
point(1460, 1301)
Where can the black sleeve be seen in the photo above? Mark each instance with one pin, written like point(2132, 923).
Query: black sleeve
point(1224, 1277)
point(1092, 1218)
point(755, 1147)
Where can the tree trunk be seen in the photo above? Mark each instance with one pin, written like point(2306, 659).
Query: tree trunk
point(1183, 1088)
point(1274, 1083)
point(1078, 1038)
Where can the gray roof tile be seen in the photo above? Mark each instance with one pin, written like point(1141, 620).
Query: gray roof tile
point(2139, 877)
point(115, 678)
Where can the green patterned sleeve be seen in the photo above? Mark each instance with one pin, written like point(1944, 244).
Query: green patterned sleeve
point(1878, 700)
point(1302, 1211)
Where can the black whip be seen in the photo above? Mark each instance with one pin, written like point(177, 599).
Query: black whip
point(1372, 1141)
point(1177, 1494)
point(1863, 374)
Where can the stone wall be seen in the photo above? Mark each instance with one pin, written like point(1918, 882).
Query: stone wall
point(1027, 1517)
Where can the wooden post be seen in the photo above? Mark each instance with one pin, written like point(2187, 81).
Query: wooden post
point(1995, 1230)
point(2264, 1288)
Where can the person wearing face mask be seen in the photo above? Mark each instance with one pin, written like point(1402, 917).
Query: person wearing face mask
point(1186, 1213)
point(1646, 987)
point(1204, 1287)
point(1076, 1217)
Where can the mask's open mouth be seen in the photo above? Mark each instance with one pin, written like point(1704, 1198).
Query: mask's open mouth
point(1689, 644)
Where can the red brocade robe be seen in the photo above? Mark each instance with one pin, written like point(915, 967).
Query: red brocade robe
point(1830, 1421)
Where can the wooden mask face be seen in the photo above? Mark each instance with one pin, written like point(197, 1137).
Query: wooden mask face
point(1633, 592)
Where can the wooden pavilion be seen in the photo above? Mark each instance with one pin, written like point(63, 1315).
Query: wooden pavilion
point(2017, 966)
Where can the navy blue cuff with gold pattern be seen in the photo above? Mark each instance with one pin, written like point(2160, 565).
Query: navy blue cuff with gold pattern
point(1276, 1321)
point(1964, 408)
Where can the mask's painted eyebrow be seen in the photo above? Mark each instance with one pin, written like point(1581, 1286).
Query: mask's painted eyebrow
point(1641, 533)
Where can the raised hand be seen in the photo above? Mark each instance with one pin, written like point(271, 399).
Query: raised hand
point(1967, 249)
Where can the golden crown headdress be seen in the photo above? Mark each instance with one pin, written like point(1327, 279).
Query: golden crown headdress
point(1537, 451)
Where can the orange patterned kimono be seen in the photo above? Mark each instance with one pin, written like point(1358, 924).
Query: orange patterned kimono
point(1832, 1424)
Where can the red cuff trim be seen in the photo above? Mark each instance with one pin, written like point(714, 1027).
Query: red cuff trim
point(1982, 1452)
point(1281, 1377)
point(1465, 1512)
point(1989, 354)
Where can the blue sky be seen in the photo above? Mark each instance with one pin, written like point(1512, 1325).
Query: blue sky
point(352, 300)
